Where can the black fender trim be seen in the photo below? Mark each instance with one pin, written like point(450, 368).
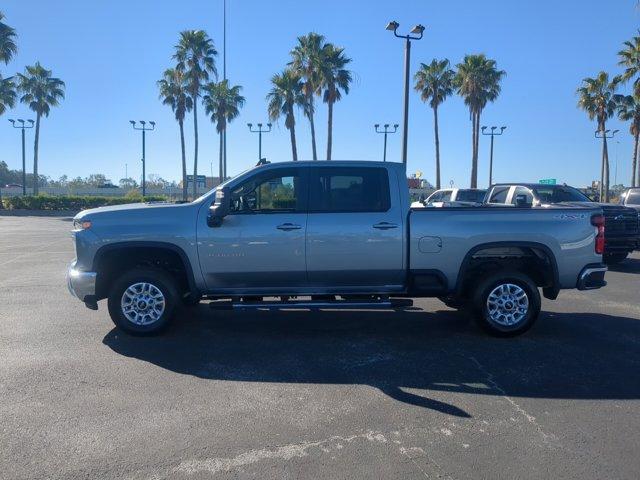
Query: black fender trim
point(549, 292)
point(150, 244)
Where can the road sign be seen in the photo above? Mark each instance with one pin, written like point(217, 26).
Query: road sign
point(547, 181)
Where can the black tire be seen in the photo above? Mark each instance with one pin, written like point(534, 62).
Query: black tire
point(495, 321)
point(614, 258)
point(161, 281)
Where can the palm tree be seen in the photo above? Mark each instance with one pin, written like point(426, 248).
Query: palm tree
point(630, 58)
point(307, 61)
point(629, 111)
point(7, 94)
point(478, 82)
point(435, 82)
point(286, 93)
point(335, 79)
point(8, 47)
point(174, 92)
point(596, 97)
point(195, 58)
point(223, 104)
point(40, 91)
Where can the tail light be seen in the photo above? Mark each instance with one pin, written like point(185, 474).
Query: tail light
point(598, 222)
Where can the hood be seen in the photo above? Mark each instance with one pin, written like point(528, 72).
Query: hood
point(137, 208)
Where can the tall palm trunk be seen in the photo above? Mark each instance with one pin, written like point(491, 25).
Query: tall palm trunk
point(36, 142)
point(329, 130)
point(220, 159)
point(437, 137)
point(313, 128)
point(474, 159)
point(634, 164)
point(184, 162)
point(605, 162)
point(292, 134)
point(195, 154)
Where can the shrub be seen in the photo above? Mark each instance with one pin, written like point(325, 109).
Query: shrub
point(70, 202)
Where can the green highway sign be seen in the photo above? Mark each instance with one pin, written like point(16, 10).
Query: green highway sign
point(548, 181)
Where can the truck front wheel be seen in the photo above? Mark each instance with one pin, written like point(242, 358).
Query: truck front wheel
point(142, 301)
point(506, 303)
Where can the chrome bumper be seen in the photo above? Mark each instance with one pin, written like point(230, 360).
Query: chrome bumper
point(592, 277)
point(82, 285)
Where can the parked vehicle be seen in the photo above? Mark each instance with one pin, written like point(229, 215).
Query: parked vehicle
point(631, 198)
point(621, 223)
point(456, 197)
point(340, 233)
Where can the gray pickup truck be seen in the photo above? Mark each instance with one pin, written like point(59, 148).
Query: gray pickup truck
point(330, 235)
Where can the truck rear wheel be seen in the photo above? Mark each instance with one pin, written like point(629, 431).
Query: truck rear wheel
point(506, 303)
point(142, 301)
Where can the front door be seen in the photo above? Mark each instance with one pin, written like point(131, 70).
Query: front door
point(261, 243)
point(354, 229)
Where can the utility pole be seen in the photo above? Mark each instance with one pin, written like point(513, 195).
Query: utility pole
point(493, 133)
point(144, 129)
point(386, 131)
point(604, 190)
point(418, 31)
point(22, 126)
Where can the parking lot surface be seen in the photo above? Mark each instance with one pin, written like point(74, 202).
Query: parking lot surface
point(421, 393)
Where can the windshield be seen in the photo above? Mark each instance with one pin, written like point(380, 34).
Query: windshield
point(633, 198)
point(559, 194)
point(206, 194)
point(471, 195)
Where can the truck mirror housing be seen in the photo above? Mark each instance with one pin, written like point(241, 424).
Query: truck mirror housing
point(220, 207)
point(521, 201)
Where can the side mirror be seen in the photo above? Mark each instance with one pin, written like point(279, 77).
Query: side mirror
point(521, 201)
point(220, 207)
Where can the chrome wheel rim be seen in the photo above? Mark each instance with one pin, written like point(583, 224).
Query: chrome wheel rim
point(507, 305)
point(142, 303)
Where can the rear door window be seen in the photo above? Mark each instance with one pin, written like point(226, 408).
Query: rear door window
point(349, 189)
point(499, 195)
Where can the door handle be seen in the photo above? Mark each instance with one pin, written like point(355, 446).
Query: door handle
point(288, 226)
point(385, 225)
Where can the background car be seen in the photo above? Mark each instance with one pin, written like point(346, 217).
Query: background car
point(456, 197)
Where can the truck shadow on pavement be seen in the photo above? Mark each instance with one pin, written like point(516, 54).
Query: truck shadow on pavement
point(565, 356)
point(630, 265)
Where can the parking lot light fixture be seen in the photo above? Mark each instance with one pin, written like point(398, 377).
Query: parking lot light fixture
point(492, 133)
point(22, 127)
point(385, 131)
point(259, 131)
point(144, 129)
point(604, 135)
point(416, 33)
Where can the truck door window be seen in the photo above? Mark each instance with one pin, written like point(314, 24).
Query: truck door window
point(499, 195)
point(344, 189)
point(276, 191)
point(446, 196)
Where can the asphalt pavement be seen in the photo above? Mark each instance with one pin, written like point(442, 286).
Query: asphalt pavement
point(421, 393)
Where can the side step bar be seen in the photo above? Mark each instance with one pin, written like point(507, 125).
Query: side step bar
point(385, 303)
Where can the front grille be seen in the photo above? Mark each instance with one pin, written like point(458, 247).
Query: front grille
point(620, 220)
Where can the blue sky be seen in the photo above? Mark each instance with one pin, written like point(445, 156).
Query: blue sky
point(111, 53)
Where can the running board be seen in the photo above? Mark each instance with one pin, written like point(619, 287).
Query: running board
point(312, 304)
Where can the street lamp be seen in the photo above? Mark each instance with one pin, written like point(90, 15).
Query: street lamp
point(386, 131)
point(604, 135)
point(259, 131)
point(417, 32)
point(22, 126)
point(144, 129)
point(493, 133)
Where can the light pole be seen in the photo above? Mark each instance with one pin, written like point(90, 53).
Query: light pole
point(386, 131)
point(22, 126)
point(144, 129)
point(259, 131)
point(604, 135)
point(417, 31)
point(493, 133)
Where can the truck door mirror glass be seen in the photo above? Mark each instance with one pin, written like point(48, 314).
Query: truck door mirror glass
point(220, 207)
point(522, 200)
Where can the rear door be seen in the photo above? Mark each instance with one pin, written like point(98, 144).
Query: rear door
point(354, 228)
